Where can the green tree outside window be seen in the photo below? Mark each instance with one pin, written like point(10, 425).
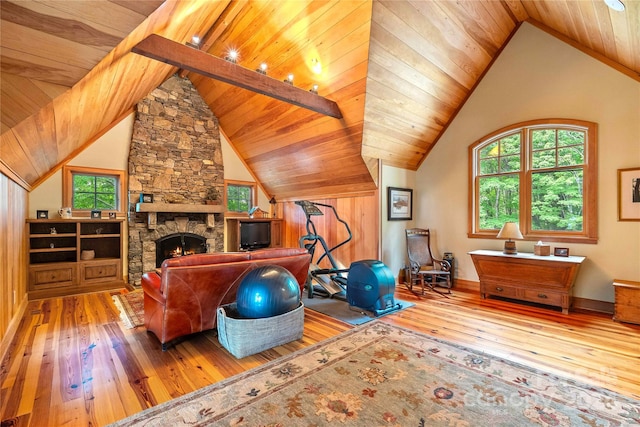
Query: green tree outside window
point(541, 175)
point(95, 192)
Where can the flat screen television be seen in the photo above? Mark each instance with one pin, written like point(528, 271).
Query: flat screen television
point(255, 235)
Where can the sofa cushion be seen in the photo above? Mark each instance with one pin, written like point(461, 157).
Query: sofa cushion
point(276, 253)
point(200, 259)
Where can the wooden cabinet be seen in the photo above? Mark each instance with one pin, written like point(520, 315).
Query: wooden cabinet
point(545, 280)
point(73, 256)
point(233, 231)
point(627, 301)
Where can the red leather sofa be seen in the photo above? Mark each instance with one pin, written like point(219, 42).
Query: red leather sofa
point(184, 297)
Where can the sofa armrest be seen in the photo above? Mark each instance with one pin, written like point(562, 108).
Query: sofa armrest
point(151, 286)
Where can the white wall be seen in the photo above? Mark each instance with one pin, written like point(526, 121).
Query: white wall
point(393, 243)
point(538, 76)
point(110, 151)
point(235, 169)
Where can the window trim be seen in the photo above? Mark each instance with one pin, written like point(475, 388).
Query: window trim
point(589, 232)
point(67, 187)
point(254, 195)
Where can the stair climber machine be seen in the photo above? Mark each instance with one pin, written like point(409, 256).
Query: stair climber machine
point(366, 285)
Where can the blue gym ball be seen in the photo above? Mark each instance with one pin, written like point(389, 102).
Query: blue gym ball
point(267, 291)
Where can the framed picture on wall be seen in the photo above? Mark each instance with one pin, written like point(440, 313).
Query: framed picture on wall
point(399, 204)
point(629, 194)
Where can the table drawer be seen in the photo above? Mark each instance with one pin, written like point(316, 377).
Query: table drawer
point(501, 290)
point(542, 296)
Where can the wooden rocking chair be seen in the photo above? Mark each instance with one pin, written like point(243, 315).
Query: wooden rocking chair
point(424, 269)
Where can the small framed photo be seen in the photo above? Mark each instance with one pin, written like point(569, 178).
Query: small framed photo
point(95, 214)
point(629, 194)
point(561, 252)
point(42, 214)
point(112, 215)
point(146, 198)
point(399, 204)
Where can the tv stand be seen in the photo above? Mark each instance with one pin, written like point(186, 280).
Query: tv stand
point(232, 232)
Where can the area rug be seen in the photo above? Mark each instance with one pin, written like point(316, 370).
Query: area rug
point(378, 374)
point(339, 309)
point(131, 307)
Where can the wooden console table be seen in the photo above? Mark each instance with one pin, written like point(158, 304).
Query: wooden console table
point(541, 279)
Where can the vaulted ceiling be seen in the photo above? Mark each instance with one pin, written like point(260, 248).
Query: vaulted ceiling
point(398, 70)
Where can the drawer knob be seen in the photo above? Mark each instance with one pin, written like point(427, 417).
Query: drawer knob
point(499, 289)
point(542, 296)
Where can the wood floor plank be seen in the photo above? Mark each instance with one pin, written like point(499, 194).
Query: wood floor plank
point(72, 362)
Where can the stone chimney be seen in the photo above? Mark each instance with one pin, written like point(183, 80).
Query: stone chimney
point(175, 156)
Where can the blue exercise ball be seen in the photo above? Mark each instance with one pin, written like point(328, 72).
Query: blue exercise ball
point(267, 291)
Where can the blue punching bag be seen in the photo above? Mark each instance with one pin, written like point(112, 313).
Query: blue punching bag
point(267, 291)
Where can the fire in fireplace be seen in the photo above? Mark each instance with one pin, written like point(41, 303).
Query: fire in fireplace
point(179, 244)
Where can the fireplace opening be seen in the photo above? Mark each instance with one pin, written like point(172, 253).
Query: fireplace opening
point(179, 244)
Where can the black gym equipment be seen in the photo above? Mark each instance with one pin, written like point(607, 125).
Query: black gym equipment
point(367, 285)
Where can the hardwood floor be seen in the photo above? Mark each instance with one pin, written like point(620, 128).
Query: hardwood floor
point(72, 362)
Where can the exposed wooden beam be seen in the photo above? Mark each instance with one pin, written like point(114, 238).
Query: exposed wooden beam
point(223, 22)
point(188, 58)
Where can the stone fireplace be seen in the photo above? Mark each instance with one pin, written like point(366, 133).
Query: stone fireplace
point(175, 157)
point(179, 244)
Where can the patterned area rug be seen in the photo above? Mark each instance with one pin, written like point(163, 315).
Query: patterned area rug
point(377, 374)
point(131, 307)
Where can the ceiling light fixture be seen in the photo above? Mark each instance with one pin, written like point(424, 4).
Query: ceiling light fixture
point(616, 5)
point(314, 89)
point(263, 68)
point(194, 43)
point(289, 79)
point(232, 56)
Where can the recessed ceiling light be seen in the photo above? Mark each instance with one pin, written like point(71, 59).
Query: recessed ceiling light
point(616, 5)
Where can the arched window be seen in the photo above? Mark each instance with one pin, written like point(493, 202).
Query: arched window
point(540, 174)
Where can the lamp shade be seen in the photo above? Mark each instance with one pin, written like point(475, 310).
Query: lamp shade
point(510, 230)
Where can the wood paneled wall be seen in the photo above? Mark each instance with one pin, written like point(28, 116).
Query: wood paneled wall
point(13, 253)
point(360, 213)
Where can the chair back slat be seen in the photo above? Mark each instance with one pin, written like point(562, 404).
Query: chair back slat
point(418, 246)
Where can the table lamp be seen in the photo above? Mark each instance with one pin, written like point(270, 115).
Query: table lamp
point(509, 231)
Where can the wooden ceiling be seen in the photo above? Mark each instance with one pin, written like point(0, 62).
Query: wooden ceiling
point(398, 70)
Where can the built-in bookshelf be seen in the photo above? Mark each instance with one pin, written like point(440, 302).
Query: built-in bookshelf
point(68, 256)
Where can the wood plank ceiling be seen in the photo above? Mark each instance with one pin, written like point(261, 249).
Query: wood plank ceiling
point(399, 71)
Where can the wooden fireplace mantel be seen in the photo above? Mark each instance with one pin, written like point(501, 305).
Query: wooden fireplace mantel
point(152, 210)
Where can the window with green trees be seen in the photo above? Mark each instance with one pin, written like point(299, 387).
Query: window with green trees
point(95, 192)
point(85, 189)
point(240, 195)
point(541, 175)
